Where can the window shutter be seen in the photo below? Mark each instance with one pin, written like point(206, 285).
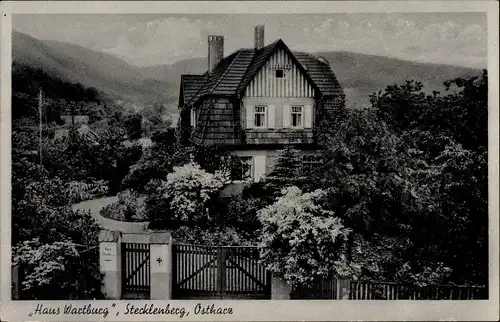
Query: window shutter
point(308, 114)
point(249, 119)
point(271, 115)
point(286, 116)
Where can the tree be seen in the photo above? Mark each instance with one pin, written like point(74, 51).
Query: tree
point(287, 169)
point(302, 241)
point(133, 126)
point(400, 176)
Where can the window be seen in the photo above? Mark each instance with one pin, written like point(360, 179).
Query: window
point(260, 116)
point(297, 116)
point(280, 73)
point(242, 169)
point(193, 118)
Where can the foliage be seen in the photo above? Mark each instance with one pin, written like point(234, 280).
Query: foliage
point(216, 236)
point(27, 81)
point(58, 263)
point(79, 190)
point(157, 161)
point(287, 168)
point(133, 126)
point(41, 210)
point(130, 207)
point(301, 240)
point(411, 183)
point(187, 190)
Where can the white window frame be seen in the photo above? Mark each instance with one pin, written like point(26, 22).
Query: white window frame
point(193, 118)
point(301, 113)
point(248, 161)
point(257, 111)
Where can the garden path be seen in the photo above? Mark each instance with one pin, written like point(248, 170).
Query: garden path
point(95, 206)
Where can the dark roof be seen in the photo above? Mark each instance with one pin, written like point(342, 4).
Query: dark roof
point(233, 74)
point(190, 85)
point(320, 72)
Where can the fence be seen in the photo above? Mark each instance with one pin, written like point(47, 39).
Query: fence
point(329, 289)
point(324, 289)
point(361, 290)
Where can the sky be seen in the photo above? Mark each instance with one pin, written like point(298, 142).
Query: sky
point(147, 39)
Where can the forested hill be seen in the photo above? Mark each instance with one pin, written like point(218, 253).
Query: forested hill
point(111, 75)
point(359, 74)
point(61, 94)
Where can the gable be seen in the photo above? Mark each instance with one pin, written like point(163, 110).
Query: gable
point(294, 82)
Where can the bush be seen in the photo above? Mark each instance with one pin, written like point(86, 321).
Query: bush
point(301, 241)
point(185, 195)
point(58, 265)
point(130, 207)
point(115, 211)
point(80, 191)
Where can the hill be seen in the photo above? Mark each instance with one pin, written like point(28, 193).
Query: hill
point(359, 74)
point(73, 63)
point(362, 74)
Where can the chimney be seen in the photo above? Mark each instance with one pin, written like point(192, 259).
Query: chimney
point(259, 37)
point(215, 51)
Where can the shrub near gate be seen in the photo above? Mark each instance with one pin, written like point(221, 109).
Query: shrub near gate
point(301, 241)
point(183, 196)
point(130, 207)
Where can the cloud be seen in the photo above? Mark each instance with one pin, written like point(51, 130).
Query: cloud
point(166, 40)
point(454, 38)
point(401, 36)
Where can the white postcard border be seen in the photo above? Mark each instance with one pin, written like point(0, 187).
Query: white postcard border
point(262, 310)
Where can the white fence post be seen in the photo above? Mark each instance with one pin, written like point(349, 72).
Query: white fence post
point(110, 260)
point(161, 265)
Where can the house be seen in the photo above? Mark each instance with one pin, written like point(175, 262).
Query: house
point(80, 123)
point(257, 101)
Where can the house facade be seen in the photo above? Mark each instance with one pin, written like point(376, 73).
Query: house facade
point(257, 101)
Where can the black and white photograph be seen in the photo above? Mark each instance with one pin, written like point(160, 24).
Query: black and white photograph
point(235, 156)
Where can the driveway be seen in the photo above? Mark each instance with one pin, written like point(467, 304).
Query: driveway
point(95, 206)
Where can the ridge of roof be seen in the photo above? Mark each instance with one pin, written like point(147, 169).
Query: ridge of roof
point(234, 72)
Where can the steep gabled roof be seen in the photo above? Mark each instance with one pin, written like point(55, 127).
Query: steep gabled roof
point(233, 74)
point(213, 79)
point(261, 58)
point(320, 72)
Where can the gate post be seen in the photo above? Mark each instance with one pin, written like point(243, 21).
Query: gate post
point(111, 263)
point(343, 289)
point(280, 290)
point(161, 265)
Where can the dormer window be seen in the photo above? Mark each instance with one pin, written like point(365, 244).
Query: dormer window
point(280, 73)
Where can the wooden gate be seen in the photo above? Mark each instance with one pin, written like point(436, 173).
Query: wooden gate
point(136, 270)
point(219, 272)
